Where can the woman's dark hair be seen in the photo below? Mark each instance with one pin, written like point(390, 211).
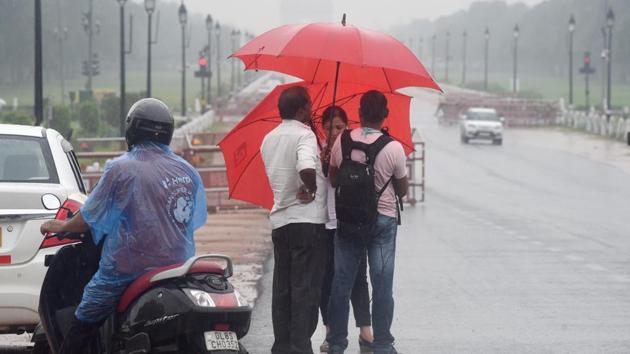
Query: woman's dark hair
point(334, 111)
point(373, 108)
point(292, 100)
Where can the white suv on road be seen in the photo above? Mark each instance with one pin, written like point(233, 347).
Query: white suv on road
point(481, 123)
point(38, 172)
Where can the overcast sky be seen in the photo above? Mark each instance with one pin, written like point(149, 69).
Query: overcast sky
point(261, 15)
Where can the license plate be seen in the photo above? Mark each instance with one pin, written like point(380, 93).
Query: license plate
point(221, 340)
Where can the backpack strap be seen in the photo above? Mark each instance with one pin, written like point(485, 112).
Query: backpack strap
point(376, 147)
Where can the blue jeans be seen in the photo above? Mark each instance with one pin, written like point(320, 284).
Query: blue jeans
point(380, 241)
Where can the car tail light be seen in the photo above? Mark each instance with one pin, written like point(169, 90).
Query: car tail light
point(67, 211)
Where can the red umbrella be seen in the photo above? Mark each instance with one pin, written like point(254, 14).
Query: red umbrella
point(316, 52)
point(247, 179)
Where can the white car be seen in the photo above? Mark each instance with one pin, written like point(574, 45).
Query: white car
point(38, 173)
point(481, 123)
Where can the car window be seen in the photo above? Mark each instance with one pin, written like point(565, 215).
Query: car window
point(472, 115)
point(72, 159)
point(26, 159)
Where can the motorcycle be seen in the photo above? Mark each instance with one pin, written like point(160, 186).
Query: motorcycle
point(181, 308)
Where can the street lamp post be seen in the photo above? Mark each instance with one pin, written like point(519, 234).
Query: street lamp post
point(183, 19)
point(464, 39)
point(448, 38)
point(433, 40)
point(571, 31)
point(149, 6)
point(514, 78)
point(209, 29)
point(232, 62)
point(61, 36)
point(239, 80)
point(217, 29)
point(123, 51)
point(39, 85)
point(610, 22)
point(485, 59)
point(88, 26)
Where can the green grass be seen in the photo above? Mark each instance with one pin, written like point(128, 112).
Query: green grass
point(166, 85)
point(556, 87)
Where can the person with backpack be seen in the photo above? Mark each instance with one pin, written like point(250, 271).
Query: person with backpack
point(368, 169)
point(334, 122)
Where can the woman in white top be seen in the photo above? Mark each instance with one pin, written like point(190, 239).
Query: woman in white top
point(360, 297)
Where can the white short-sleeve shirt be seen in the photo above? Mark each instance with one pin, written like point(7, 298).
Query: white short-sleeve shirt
point(288, 149)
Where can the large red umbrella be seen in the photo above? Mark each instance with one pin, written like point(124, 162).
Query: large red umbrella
point(317, 52)
point(247, 179)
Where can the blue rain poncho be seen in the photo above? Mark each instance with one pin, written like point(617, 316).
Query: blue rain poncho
point(144, 209)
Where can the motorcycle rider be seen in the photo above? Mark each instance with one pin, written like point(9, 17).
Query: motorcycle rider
point(144, 211)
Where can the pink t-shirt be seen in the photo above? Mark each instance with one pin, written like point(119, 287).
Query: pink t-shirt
point(390, 161)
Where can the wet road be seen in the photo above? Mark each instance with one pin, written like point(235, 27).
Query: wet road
point(520, 248)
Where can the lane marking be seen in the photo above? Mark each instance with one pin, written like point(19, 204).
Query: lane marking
point(595, 267)
point(554, 249)
point(573, 257)
point(536, 243)
point(620, 278)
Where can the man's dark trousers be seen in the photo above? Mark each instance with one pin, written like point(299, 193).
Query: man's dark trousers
point(300, 259)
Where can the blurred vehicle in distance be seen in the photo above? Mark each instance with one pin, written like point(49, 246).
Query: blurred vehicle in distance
point(38, 174)
point(482, 124)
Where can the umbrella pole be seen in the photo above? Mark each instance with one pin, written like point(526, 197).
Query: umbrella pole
point(328, 139)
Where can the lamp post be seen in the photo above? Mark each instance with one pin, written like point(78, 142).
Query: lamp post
point(232, 62)
point(571, 31)
point(610, 22)
point(88, 26)
point(149, 6)
point(217, 30)
point(39, 86)
point(516, 33)
point(448, 38)
point(61, 36)
point(122, 66)
point(209, 29)
point(433, 39)
point(183, 19)
point(486, 35)
point(464, 39)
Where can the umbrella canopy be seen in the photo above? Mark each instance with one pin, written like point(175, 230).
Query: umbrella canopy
point(312, 51)
point(247, 179)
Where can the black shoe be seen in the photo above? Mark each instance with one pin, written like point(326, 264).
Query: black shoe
point(365, 346)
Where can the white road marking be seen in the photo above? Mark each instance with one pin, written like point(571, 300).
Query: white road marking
point(554, 249)
point(620, 278)
point(595, 267)
point(574, 258)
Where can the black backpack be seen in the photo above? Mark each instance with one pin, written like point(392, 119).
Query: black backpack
point(356, 197)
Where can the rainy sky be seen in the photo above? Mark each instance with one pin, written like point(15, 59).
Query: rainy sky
point(261, 15)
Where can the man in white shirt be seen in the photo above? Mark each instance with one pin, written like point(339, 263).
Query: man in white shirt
point(298, 216)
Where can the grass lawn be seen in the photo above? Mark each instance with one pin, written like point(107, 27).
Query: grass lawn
point(166, 85)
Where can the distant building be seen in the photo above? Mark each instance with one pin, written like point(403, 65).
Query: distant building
point(305, 11)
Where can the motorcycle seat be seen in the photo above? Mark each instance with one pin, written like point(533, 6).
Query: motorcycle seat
point(144, 282)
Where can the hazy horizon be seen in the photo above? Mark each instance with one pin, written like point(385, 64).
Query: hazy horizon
point(262, 15)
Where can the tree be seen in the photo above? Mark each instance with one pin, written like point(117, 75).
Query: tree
point(89, 118)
